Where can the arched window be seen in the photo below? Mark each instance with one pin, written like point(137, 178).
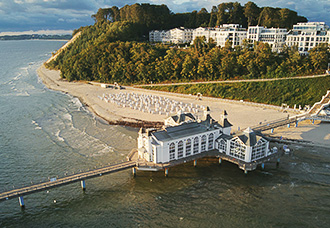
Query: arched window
point(196, 145)
point(222, 146)
point(172, 151)
point(203, 147)
point(188, 147)
point(180, 149)
point(211, 137)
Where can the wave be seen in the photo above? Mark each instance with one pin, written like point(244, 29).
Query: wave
point(77, 103)
point(37, 126)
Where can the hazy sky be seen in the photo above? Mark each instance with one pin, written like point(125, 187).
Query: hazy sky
point(24, 15)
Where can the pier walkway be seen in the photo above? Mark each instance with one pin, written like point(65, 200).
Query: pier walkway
point(52, 183)
point(312, 114)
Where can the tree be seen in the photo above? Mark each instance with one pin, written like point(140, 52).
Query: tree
point(319, 57)
point(251, 12)
point(213, 17)
point(102, 15)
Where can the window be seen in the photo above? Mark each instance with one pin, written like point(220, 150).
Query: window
point(196, 145)
point(188, 147)
point(210, 146)
point(222, 145)
point(172, 151)
point(259, 150)
point(237, 149)
point(180, 149)
point(203, 143)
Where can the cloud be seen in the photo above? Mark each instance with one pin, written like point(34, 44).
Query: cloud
point(71, 14)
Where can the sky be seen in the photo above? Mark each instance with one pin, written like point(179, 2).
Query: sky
point(45, 16)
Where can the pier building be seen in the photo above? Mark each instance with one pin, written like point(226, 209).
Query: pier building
point(184, 136)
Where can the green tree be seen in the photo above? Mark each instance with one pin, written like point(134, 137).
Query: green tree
point(251, 12)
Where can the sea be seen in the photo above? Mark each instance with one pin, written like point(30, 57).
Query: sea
point(47, 134)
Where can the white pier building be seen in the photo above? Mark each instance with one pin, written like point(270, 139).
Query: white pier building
point(184, 136)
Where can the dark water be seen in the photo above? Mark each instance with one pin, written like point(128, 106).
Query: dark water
point(44, 134)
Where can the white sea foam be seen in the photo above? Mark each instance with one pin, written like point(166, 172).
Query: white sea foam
point(37, 127)
point(77, 103)
point(68, 116)
point(58, 136)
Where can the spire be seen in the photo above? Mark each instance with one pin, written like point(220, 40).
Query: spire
point(206, 112)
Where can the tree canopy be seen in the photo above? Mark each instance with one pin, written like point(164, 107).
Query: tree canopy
point(160, 17)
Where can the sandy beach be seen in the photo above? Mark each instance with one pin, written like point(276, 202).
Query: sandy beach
point(240, 114)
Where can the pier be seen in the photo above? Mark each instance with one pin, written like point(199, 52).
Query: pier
point(54, 182)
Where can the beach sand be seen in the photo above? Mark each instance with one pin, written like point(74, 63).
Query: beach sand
point(240, 114)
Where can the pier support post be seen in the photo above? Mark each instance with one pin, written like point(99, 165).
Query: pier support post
point(195, 163)
point(83, 185)
point(278, 162)
point(220, 160)
point(21, 201)
point(134, 171)
point(272, 130)
point(166, 172)
point(262, 165)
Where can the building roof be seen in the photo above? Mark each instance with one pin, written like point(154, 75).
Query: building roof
point(180, 118)
point(250, 137)
point(183, 130)
point(224, 136)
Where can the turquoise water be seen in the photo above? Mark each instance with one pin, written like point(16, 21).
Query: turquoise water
point(44, 134)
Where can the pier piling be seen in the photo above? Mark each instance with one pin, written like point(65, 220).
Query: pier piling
point(134, 171)
point(166, 172)
point(195, 163)
point(21, 201)
point(83, 185)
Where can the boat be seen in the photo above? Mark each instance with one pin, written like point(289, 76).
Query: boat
point(286, 149)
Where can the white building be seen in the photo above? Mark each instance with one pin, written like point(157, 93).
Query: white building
point(184, 136)
point(159, 36)
point(175, 36)
point(232, 32)
point(275, 37)
point(308, 35)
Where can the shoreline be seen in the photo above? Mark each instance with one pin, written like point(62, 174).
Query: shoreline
point(241, 115)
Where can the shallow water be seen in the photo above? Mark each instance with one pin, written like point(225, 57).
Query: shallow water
point(45, 134)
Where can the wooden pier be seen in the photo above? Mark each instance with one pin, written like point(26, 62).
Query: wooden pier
point(54, 182)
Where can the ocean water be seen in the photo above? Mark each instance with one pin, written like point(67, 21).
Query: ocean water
point(45, 134)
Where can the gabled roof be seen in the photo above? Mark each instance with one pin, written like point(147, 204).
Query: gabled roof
point(181, 118)
point(224, 136)
point(249, 137)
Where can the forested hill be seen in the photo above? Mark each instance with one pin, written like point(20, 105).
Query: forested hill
point(114, 49)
